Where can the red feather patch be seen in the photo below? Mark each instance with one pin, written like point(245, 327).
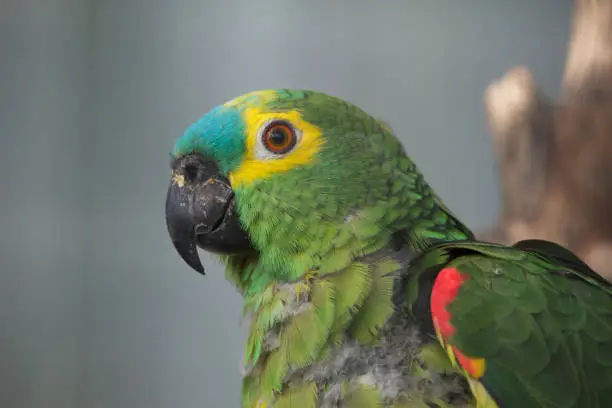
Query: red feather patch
point(445, 289)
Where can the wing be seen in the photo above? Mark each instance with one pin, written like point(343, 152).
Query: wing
point(532, 324)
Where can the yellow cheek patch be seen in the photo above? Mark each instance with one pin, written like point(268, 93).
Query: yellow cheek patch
point(253, 168)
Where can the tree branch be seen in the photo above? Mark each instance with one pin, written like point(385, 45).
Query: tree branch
point(520, 121)
point(554, 167)
point(588, 68)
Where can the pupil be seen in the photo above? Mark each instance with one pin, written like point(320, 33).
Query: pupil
point(278, 137)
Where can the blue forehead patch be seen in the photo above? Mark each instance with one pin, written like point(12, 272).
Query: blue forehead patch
point(219, 134)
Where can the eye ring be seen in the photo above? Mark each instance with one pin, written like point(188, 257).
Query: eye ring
point(279, 137)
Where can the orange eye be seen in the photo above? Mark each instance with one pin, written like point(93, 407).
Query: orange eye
point(279, 137)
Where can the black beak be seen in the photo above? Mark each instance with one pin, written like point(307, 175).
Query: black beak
point(201, 212)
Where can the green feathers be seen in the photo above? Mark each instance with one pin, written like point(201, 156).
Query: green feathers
point(540, 318)
point(303, 337)
point(293, 325)
point(378, 306)
point(354, 286)
point(303, 396)
point(361, 396)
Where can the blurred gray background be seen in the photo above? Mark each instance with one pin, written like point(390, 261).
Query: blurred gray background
point(96, 308)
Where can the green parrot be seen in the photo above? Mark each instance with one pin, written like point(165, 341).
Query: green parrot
point(362, 288)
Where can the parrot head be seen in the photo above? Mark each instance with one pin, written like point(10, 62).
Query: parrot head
point(293, 181)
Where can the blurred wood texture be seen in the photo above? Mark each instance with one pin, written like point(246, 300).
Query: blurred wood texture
point(555, 158)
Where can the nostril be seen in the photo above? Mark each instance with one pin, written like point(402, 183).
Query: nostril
point(191, 172)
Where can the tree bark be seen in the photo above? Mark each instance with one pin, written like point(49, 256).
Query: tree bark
point(555, 158)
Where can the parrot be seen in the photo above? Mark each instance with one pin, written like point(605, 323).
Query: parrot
point(361, 288)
